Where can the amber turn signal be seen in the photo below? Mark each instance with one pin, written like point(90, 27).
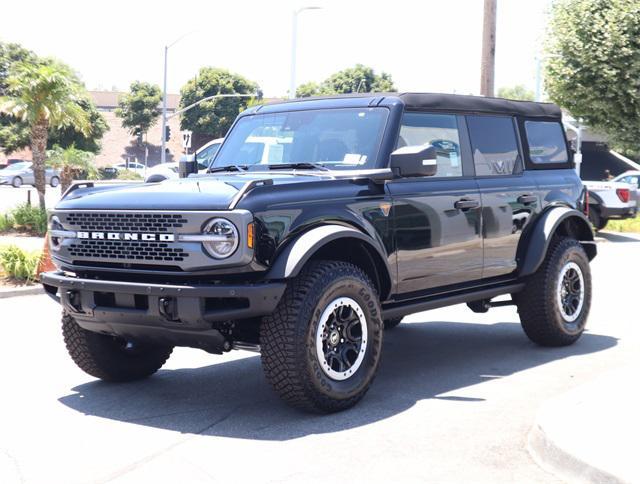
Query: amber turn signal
point(250, 235)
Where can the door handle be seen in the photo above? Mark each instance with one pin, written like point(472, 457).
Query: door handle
point(466, 204)
point(527, 199)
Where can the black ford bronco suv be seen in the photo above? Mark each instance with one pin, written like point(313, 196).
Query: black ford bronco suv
point(322, 222)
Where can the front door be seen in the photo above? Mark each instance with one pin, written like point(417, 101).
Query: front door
point(436, 220)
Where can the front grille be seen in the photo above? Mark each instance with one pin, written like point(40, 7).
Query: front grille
point(134, 251)
point(125, 222)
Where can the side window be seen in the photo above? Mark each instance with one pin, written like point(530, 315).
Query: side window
point(494, 145)
point(546, 142)
point(438, 130)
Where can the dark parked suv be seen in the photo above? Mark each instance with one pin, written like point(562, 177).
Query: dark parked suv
point(364, 209)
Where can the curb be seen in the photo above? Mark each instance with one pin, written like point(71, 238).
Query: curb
point(21, 291)
point(561, 463)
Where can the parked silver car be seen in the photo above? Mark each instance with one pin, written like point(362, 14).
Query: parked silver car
point(20, 174)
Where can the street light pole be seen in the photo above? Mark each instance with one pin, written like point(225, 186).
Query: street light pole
point(163, 154)
point(294, 46)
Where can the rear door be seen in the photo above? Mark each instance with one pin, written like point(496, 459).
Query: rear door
point(436, 220)
point(510, 196)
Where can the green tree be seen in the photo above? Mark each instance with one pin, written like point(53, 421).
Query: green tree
point(44, 96)
point(139, 107)
point(308, 89)
point(518, 92)
point(73, 163)
point(214, 117)
point(14, 134)
point(593, 65)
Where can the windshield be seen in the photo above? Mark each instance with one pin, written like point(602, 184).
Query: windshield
point(336, 138)
point(18, 166)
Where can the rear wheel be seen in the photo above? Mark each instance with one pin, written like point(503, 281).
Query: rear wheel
point(321, 346)
point(54, 182)
point(16, 182)
point(555, 302)
point(111, 358)
point(596, 218)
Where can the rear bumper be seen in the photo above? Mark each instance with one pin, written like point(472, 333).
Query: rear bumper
point(180, 315)
point(618, 212)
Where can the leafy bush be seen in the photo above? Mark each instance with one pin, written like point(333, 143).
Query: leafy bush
point(128, 175)
point(6, 222)
point(29, 218)
point(18, 264)
point(628, 225)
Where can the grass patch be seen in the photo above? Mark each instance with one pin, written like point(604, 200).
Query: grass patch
point(19, 264)
point(24, 218)
point(628, 225)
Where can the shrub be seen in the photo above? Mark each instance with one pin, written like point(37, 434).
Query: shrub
point(18, 264)
point(29, 218)
point(6, 222)
point(128, 175)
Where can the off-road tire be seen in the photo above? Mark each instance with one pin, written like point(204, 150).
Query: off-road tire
point(105, 357)
point(16, 182)
point(540, 313)
point(596, 219)
point(288, 338)
point(392, 323)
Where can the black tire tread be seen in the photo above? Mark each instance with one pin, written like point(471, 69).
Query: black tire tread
point(281, 358)
point(93, 353)
point(535, 308)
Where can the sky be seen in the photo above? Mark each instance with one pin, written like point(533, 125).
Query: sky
point(426, 45)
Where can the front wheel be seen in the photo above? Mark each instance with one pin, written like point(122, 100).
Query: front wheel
point(555, 302)
point(17, 182)
point(321, 346)
point(54, 182)
point(111, 358)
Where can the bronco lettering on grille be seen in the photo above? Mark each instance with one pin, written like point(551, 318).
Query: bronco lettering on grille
point(126, 236)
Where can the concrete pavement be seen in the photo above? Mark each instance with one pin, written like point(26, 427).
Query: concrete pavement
point(455, 400)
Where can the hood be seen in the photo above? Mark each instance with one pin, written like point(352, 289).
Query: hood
point(200, 192)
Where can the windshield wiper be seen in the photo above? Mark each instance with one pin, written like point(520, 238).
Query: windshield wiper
point(298, 166)
point(214, 169)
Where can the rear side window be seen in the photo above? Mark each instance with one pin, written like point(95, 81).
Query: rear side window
point(546, 142)
point(494, 144)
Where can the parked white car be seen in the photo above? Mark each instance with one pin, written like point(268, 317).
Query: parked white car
point(133, 166)
point(168, 171)
point(610, 200)
point(632, 177)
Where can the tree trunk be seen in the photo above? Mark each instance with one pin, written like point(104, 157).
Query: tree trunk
point(67, 175)
point(39, 134)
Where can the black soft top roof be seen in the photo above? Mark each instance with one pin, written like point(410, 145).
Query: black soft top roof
point(428, 101)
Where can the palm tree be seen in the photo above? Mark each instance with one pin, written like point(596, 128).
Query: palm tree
point(44, 95)
point(72, 163)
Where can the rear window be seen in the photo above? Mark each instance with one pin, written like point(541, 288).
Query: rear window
point(546, 142)
point(494, 143)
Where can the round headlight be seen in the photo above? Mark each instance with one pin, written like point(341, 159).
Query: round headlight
point(224, 238)
point(55, 224)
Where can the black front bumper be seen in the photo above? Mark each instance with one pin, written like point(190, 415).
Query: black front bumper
point(180, 315)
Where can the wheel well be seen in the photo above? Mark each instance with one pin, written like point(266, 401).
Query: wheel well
point(577, 229)
point(359, 253)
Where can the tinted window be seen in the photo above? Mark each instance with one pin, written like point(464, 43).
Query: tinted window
point(337, 138)
point(494, 144)
point(546, 142)
point(438, 130)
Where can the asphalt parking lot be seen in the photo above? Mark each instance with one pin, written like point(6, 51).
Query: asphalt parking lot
point(455, 399)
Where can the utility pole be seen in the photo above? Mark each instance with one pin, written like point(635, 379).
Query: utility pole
point(163, 155)
point(294, 47)
point(487, 67)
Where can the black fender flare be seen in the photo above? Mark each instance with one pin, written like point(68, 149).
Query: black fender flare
point(594, 199)
point(297, 253)
point(538, 238)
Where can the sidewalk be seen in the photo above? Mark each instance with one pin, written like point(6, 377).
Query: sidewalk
point(590, 434)
point(25, 242)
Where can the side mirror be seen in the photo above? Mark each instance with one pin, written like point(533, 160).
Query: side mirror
point(187, 166)
point(410, 161)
